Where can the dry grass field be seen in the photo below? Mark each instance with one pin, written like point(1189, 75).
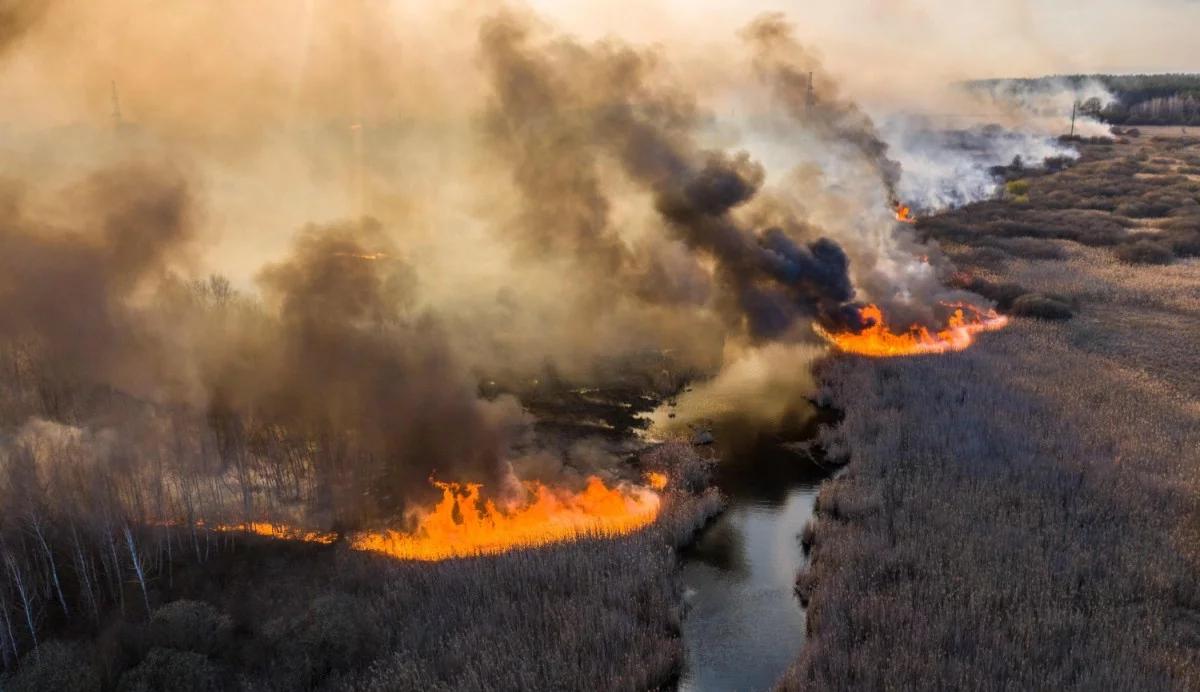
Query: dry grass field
point(1026, 514)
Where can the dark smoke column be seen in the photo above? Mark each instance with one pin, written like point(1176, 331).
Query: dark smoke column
point(769, 281)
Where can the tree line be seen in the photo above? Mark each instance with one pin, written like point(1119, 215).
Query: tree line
point(1138, 99)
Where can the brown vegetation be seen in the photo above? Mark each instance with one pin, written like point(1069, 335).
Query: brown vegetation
point(277, 615)
point(1023, 515)
point(1139, 199)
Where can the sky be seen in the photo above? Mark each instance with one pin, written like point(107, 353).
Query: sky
point(880, 50)
point(873, 42)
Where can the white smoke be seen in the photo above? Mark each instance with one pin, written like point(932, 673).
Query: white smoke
point(945, 168)
point(1046, 104)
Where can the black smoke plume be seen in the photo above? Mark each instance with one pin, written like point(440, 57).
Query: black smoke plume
point(333, 403)
point(767, 279)
point(355, 365)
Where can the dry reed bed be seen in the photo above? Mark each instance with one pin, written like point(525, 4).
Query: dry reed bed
point(1025, 514)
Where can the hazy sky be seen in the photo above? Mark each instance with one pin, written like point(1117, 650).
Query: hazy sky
point(880, 40)
point(881, 50)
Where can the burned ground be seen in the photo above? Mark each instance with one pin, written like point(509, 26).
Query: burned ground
point(1023, 515)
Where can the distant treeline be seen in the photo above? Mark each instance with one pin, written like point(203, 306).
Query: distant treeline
point(1140, 99)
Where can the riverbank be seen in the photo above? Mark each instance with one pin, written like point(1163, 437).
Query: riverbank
point(1024, 514)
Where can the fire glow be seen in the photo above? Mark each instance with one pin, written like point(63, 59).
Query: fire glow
point(903, 213)
point(463, 524)
point(879, 340)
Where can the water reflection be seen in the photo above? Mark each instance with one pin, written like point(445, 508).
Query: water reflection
point(744, 625)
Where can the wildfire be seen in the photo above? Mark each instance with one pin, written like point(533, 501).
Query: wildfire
point(880, 341)
point(281, 531)
point(656, 480)
point(463, 524)
point(903, 213)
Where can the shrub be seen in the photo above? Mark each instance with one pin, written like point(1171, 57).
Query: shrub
point(1144, 252)
point(1041, 306)
point(190, 626)
point(402, 670)
point(54, 665)
point(1144, 208)
point(1031, 248)
point(179, 671)
point(1001, 293)
point(1017, 188)
point(1183, 243)
point(338, 631)
point(687, 470)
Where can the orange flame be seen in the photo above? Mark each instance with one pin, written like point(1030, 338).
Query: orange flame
point(281, 531)
point(656, 480)
point(464, 525)
point(880, 341)
point(903, 213)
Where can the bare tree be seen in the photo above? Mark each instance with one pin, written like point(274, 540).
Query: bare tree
point(137, 566)
point(37, 523)
point(23, 592)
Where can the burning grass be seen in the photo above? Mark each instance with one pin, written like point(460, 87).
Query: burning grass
point(903, 213)
point(270, 614)
point(463, 524)
point(880, 340)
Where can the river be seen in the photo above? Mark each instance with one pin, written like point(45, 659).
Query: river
point(744, 625)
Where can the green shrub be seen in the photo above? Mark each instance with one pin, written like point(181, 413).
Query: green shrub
point(1017, 188)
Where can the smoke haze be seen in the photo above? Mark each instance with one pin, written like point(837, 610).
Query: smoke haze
point(309, 231)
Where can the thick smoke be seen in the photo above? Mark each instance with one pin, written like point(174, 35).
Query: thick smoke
point(550, 213)
point(354, 361)
point(17, 17)
point(768, 280)
point(67, 284)
point(947, 167)
point(339, 365)
point(811, 96)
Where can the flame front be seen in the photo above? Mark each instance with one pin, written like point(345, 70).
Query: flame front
point(656, 480)
point(463, 524)
point(878, 340)
point(281, 531)
point(903, 213)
